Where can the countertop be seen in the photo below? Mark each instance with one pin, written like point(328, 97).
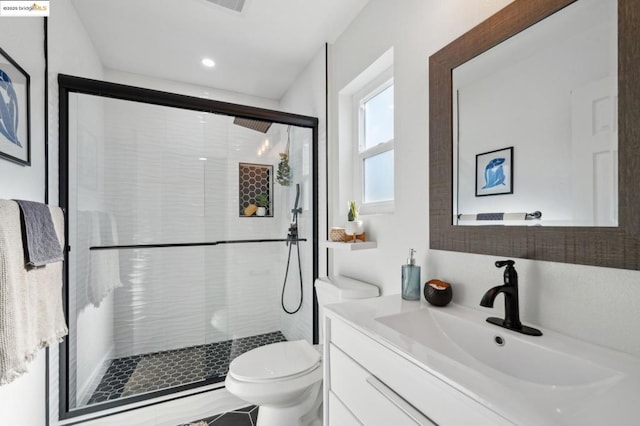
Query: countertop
point(611, 401)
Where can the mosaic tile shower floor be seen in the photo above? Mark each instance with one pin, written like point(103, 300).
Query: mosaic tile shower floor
point(139, 374)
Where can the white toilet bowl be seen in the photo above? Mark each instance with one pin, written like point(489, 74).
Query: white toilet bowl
point(285, 379)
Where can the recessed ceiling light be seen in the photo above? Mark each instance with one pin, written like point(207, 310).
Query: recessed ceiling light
point(208, 62)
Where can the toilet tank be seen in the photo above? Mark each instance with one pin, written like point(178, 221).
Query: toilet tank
point(339, 289)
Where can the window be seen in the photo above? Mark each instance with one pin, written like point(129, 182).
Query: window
point(374, 177)
point(365, 140)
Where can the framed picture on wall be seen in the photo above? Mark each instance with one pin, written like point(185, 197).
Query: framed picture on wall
point(494, 172)
point(15, 134)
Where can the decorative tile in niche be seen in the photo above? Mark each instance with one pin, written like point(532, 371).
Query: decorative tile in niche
point(255, 180)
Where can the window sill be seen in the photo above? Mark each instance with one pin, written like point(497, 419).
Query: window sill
point(377, 208)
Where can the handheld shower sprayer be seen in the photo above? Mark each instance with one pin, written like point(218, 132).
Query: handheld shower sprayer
point(296, 209)
point(293, 228)
point(292, 237)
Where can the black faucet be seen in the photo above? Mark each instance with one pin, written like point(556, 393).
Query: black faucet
point(511, 319)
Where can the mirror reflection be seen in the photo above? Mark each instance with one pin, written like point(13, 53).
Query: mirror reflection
point(535, 124)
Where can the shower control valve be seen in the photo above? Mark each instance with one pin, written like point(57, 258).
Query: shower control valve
point(293, 233)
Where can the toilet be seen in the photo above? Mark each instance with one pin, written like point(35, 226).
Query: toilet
point(285, 379)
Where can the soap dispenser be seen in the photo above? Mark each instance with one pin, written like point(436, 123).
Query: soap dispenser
point(411, 278)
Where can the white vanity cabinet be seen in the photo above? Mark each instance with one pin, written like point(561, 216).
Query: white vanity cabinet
point(367, 383)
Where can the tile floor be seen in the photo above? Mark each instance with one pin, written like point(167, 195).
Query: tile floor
point(247, 416)
point(138, 374)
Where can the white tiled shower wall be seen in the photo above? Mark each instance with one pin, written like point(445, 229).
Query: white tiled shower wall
point(160, 191)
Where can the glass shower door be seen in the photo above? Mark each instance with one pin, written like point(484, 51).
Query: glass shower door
point(169, 278)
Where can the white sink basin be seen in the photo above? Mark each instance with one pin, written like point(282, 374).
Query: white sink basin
point(553, 379)
point(463, 335)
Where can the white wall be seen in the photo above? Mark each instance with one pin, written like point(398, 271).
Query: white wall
point(171, 86)
point(17, 181)
point(562, 297)
point(23, 400)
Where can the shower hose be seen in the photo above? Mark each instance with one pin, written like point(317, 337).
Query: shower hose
point(286, 274)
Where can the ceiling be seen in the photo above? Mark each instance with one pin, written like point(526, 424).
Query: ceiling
point(259, 51)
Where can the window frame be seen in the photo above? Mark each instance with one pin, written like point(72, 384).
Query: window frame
point(375, 87)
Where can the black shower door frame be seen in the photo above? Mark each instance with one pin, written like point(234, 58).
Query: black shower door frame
point(68, 84)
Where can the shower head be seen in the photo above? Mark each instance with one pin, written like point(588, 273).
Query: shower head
point(257, 125)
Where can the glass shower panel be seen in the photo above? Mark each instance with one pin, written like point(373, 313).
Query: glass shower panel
point(139, 179)
point(167, 282)
point(299, 325)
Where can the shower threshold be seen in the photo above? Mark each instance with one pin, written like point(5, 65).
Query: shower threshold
point(138, 374)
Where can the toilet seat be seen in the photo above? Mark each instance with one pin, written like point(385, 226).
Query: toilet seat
point(277, 361)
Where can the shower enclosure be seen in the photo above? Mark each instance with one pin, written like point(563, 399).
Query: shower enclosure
point(170, 272)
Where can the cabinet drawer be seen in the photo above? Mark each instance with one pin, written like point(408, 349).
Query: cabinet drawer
point(339, 415)
point(370, 400)
point(440, 402)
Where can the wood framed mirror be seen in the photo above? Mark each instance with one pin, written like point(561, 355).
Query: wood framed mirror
point(618, 246)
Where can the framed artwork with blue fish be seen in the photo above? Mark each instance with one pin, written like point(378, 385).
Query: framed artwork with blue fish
point(494, 172)
point(15, 144)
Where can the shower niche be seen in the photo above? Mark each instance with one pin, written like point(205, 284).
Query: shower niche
point(167, 281)
point(255, 183)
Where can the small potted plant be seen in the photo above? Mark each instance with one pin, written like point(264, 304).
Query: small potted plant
point(354, 225)
point(262, 201)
